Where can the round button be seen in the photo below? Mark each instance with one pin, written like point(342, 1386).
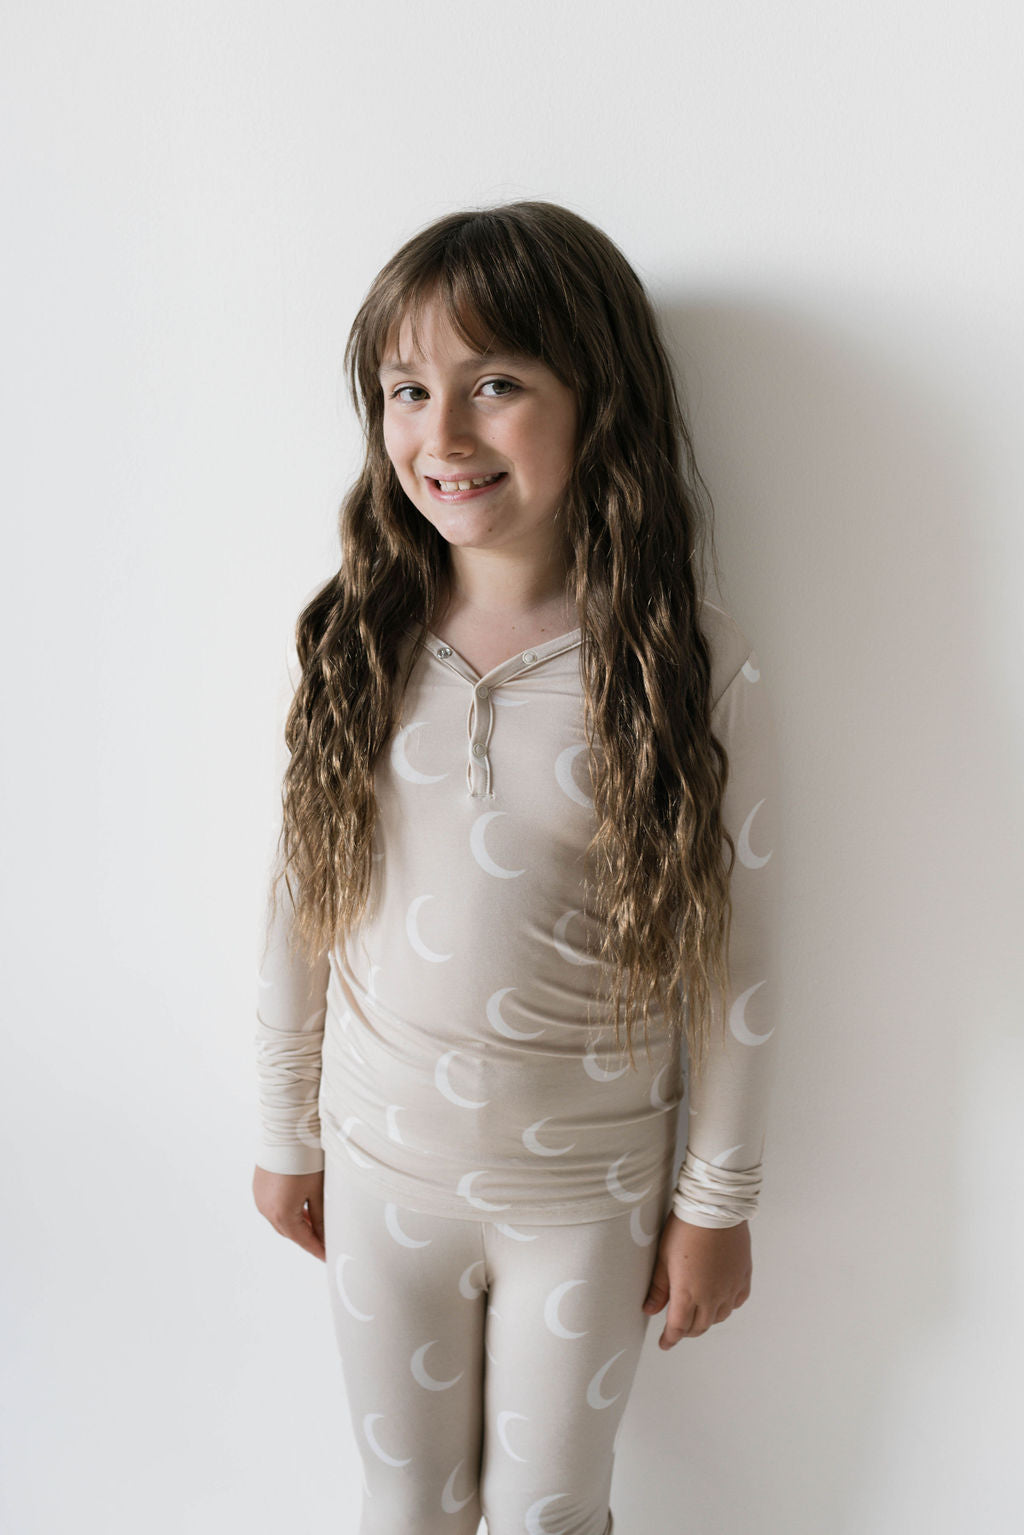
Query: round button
point(478, 748)
point(444, 652)
point(529, 655)
point(482, 692)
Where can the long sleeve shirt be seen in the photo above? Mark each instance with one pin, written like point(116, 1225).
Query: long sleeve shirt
point(454, 1050)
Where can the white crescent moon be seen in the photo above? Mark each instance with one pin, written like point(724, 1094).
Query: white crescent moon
point(531, 1142)
point(401, 763)
point(443, 1085)
point(360, 1316)
point(498, 1023)
point(657, 1101)
point(641, 1237)
point(396, 1232)
point(594, 1397)
point(750, 672)
point(503, 1419)
point(551, 1310)
point(564, 778)
point(449, 1502)
point(562, 944)
point(615, 1187)
point(598, 1072)
point(536, 1510)
point(345, 1132)
point(517, 1236)
point(723, 1156)
point(390, 1112)
point(419, 1371)
point(737, 1022)
point(389, 1460)
point(371, 990)
point(747, 858)
point(467, 1289)
point(414, 937)
point(465, 1191)
point(479, 851)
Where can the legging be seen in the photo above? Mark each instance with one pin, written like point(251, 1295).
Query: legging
point(487, 1365)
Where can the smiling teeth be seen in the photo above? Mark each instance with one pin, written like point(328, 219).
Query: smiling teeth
point(449, 485)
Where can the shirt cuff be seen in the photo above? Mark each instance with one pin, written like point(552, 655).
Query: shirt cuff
point(706, 1195)
point(290, 1159)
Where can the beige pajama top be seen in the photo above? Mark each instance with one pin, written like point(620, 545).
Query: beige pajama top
point(454, 1052)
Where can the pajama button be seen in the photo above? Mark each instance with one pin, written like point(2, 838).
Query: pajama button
point(529, 655)
point(481, 691)
point(445, 652)
point(479, 748)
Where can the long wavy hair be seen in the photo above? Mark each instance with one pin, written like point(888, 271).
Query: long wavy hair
point(535, 279)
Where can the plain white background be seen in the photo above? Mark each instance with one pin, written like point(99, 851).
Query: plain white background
point(825, 202)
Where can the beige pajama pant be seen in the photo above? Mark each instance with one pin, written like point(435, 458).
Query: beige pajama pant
point(487, 1365)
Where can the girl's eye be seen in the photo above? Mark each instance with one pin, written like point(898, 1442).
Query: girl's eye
point(505, 385)
point(400, 392)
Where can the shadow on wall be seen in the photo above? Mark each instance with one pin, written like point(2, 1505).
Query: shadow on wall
point(852, 542)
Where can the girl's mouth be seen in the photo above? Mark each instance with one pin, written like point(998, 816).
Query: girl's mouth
point(464, 489)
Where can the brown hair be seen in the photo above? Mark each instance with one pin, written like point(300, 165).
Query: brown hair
point(538, 280)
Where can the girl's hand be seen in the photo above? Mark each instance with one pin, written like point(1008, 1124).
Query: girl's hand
point(294, 1205)
point(702, 1272)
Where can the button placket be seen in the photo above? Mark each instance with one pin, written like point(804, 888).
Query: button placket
point(478, 729)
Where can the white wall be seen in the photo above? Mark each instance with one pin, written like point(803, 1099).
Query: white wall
point(826, 203)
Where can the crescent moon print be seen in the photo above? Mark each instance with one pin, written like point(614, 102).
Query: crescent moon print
point(641, 1237)
point(551, 1317)
point(479, 851)
point(371, 1439)
point(465, 1191)
point(401, 763)
point(345, 1132)
point(615, 1187)
point(498, 1023)
point(562, 944)
point(504, 1418)
point(723, 1156)
point(449, 1502)
point(531, 1142)
point(737, 1023)
point(750, 672)
point(360, 1316)
point(397, 1234)
point(467, 1289)
point(535, 1513)
point(564, 778)
point(444, 1087)
point(517, 1236)
point(594, 1397)
point(593, 1068)
point(657, 1101)
point(390, 1113)
point(419, 1371)
point(413, 936)
point(750, 859)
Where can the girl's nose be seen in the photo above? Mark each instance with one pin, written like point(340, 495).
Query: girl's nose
point(451, 432)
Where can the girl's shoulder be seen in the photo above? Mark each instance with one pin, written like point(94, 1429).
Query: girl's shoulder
point(727, 643)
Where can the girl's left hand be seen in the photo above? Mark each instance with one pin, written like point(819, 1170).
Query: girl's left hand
point(702, 1272)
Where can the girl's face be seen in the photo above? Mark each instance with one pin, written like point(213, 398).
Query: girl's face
point(452, 416)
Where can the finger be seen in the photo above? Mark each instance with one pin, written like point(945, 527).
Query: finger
point(315, 1216)
point(658, 1293)
point(678, 1321)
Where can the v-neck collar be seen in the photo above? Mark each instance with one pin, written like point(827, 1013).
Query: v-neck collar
point(521, 661)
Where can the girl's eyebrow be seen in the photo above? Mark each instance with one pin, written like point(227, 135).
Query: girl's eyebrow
point(397, 365)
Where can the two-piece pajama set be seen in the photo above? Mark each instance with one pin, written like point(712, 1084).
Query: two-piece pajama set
point(496, 1174)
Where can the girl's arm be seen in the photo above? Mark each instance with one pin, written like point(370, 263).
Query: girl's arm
point(704, 1267)
point(291, 1007)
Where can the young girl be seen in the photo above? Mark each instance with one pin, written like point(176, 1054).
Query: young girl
point(526, 854)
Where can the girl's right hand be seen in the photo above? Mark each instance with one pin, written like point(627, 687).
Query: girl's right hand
point(293, 1203)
